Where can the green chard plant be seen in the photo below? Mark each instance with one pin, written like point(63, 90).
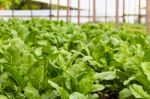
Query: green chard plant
point(42, 59)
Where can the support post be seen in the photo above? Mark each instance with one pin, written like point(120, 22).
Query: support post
point(78, 11)
point(67, 17)
point(58, 4)
point(117, 13)
point(50, 12)
point(94, 10)
point(148, 16)
point(13, 9)
point(31, 10)
point(139, 13)
point(70, 11)
point(124, 20)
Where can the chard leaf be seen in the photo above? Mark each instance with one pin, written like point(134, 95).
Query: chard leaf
point(138, 91)
point(63, 93)
point(30, 91)
point(3, 97)
point(97, 87)
point(106, 75)
point(146, 68)
point(15, 75)
point(125, 93)
point(77, 95)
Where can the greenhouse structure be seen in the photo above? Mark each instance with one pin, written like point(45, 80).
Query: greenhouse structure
point(74, 49)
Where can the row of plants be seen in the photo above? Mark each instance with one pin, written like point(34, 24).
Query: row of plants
point(42, 59)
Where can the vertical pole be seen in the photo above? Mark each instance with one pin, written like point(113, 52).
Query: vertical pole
point(124, 20)
point(70, 10)
point(58, 4)
point(139, 16)
point(67, 18)
point(29, 6)
point(31, 9)
point(13, 9)
point(94, 10)
point(117, 13)
point(105, 11)
point(148, 16)
point(78, 11)
point(50, 12)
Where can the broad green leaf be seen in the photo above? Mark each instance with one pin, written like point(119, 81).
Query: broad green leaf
point(114, 41)
point(37, 77)
point(126, 82)
point(50, 95)
point(63, 93)
point(74, 83)
point(30, 90)
point(93, 96)
point(61, 60)
point(15, 75)
point(110, 75)
point(138, 91)
point(147, 55)
point(146, 68)
point(77, 95)
point(3, 97)
point(38, 51)
point(86, 83)
point(97, 87)
point(54, 85)
point(125, 93)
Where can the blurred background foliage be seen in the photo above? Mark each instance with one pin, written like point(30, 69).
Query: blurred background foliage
point(25, 5)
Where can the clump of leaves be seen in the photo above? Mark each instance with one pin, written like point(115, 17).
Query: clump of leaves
point(42, 59)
